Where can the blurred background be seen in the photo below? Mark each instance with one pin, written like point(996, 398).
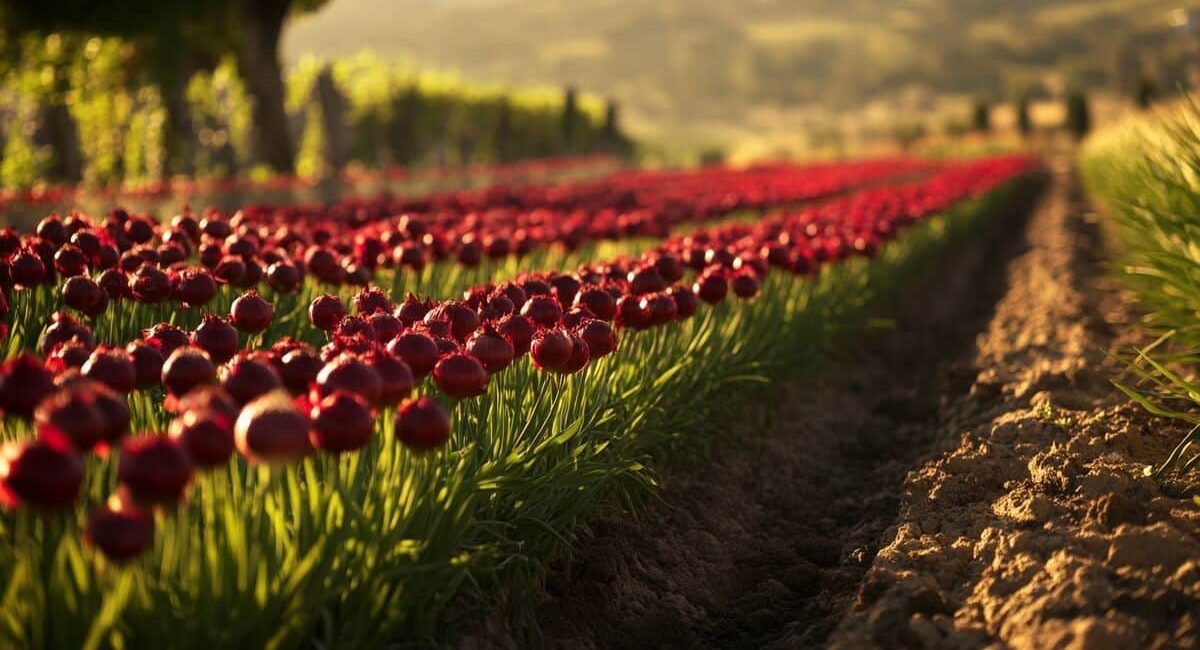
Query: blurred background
point(141, 99)
point(754, 77)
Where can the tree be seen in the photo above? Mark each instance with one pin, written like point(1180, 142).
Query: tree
point(981, 116)
point(167, 35)
point(504, 147)
point(570, 118)
point(711, 157)
point(611, 132)
point(260, 26)
point(1024, 121)
point(1145, 93)
point(612, 119)
point(405, 131)
point(908, 134)
point(1079, 117)
point(174, 33)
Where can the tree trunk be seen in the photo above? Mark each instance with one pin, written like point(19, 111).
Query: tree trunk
point(258, 60)
point(333, 117)
point(62, 134)
point(570, 119)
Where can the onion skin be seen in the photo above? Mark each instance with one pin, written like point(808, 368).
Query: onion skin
point(272, 431)
point(422, 425)
point(250, 313)
point(39, 474)
point(341, 422)
point(326, 312)
point(551, 350)
point(460, 376)
point(187, 369)
point(206, 435)
point(120, 530)
point(155, 469)
point(416, 349)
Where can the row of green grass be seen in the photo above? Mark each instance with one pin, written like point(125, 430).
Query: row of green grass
point(383, 547)
point(1145, 173)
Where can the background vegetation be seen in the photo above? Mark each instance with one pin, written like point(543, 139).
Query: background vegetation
point(100, 100)
point(1146, 171)
point(718, 70)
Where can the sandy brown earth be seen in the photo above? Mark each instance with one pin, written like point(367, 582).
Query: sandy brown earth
point(1034, 528)
point(966, 479)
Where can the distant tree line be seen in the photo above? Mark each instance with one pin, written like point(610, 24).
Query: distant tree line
point(1077, 120)
point(144, 89)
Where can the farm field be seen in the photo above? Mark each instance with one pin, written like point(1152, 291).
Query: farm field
point(359, 439)
point(456, 400)
point(778, 324)
point(965, 477)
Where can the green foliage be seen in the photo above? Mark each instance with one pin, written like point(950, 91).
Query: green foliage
point(673, 62)
point(220, 111)
point(711, 157)
point(1024, 120)
point(104, 102)
point(981, 116)
point(23, 163)
point(570, 117)
point(908, 134)
point(955, 127)
point(397, 113)
point(1145, 93)
point(121, 17)
point(1079, 115)
point(384, 546)
point(1146, 171)
point(402, 113)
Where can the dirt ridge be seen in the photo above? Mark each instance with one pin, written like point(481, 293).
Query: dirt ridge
point(765, 543)
point(1034, 527)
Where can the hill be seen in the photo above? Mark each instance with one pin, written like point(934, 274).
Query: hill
point(727, 64)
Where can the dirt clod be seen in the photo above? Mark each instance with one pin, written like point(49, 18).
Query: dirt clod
point(969, 479)
point(765, 541)
point(1066, 543)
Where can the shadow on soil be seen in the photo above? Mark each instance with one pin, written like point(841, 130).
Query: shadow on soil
point(763, 540)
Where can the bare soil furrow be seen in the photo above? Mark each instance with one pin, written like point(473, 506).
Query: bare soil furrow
point(1033, 526)
point(764, 542)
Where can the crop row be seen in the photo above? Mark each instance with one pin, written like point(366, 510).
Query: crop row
point(422, 490)
point(1144, 172)
point(185, 188)
point(357, 241)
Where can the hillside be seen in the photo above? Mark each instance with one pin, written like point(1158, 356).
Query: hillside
point(718, 62)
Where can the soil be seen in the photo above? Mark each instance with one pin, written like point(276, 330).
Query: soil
point(968, 478)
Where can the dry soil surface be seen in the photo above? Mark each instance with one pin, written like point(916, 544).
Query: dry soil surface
point(1034, 528)
point(966, 479)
